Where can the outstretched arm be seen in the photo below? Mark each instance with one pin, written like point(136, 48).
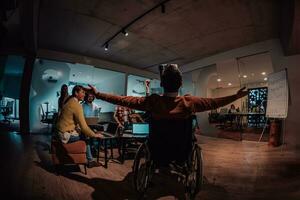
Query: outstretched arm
point(147, 87)
point(138, 103)
point(203, 104)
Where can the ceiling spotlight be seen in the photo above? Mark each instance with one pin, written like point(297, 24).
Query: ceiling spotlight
point(219, 80)
point(229, 84)
point(125, 33)
point(263, 73)
point(106, 47)
point(244, 76)
point(265, 79)
point(163, 8)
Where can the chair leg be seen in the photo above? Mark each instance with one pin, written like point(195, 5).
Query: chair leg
point(57, 169)
point(111, 149)
point(85, 171)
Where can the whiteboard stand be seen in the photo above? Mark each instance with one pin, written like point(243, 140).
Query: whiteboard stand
point(283, 136)
point(262, 133)
point(277, 103)
point(278, 99)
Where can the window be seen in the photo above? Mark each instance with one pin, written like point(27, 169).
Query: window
point(257, 103)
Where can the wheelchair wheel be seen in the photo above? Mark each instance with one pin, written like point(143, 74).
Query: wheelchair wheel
point(194, 177)
point(142, 169)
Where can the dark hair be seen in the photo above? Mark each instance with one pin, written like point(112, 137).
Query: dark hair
point(76, 88)
point(87, 96)
point(63, 94)
point(171, 78)
point(61, 89)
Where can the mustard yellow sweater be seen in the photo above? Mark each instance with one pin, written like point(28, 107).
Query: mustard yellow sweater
point(71, 115)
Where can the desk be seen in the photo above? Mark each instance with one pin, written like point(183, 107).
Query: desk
point(127, 138)
point(105, 138)
point(239, 117)
point(121, 140)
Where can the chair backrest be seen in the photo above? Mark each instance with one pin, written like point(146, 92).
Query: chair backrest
point(223, 110)
point(9, 106)
point(170, 140)
point(43, 112)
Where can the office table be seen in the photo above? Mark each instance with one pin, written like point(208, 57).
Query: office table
point(239, 116)
point(122, 140)
point(105, 139)
point(128, 138)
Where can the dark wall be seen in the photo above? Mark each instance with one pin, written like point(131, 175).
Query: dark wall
point(12, 85)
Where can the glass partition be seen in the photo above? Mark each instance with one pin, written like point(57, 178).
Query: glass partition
point(187, 84)
point(225, 78)
point(136, 86)
point(11, 72)
point(48, 77)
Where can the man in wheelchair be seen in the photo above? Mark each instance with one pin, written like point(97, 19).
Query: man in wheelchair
point(171, 137)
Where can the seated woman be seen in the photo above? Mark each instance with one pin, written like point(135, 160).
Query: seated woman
point(231, 116)
point(121, 116)
point(232, 109)
point(71, 125)
point(135, 117)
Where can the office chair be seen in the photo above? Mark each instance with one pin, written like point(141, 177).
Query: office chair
point(6, 111)
point(45, 118)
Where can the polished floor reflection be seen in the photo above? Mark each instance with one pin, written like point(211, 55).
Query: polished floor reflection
point(232, 169)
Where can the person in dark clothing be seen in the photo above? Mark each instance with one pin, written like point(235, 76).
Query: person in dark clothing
point(64, 95)
point(169, 105)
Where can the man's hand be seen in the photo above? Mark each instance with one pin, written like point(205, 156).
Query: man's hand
point(241, 92)
point(120, 126)
point(99, 134)
point(91, 89)
point(147, 85)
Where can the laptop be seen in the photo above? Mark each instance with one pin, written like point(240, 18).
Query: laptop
point(140, 129)
point(111, 129)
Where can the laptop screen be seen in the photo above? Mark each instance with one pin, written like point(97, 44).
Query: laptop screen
point(112, 128)
point(140, 129)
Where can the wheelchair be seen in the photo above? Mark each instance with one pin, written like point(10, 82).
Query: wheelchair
point(179, 154)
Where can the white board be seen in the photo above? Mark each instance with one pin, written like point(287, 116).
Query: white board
point(277, 104)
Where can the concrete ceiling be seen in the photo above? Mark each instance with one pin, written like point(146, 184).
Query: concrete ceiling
point(189, 30)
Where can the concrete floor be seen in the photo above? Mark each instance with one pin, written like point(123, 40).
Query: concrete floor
point(232, 170)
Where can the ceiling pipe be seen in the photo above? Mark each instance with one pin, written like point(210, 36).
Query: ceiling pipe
point(123, 29)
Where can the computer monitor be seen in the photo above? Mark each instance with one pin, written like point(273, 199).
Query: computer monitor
point(140, 129)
